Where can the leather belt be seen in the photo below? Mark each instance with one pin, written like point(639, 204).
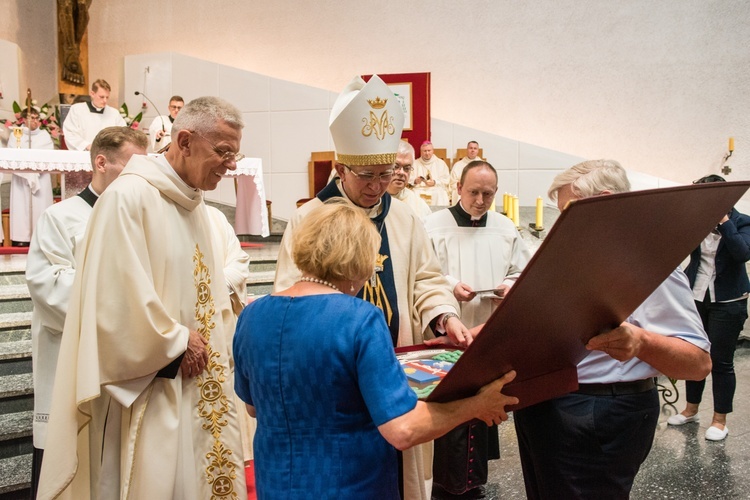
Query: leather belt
point(617, 388)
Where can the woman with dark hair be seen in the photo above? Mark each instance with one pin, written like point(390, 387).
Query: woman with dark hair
point(720, 286)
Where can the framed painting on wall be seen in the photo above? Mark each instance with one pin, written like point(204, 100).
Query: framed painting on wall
point(413, 92)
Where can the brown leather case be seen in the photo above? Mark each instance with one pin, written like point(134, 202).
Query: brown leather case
point(603, 257)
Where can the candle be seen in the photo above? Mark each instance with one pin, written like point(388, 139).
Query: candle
point(505, 203)
point(539, 213)
point(515, 211)
point(731, 144)
point(509, 213)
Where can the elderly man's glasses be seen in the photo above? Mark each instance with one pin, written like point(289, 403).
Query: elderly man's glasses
point(406, 168)
point(370, 177)
point(225, 155)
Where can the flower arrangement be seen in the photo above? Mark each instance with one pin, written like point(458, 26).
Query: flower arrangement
point(131, 121)
point(49, 118)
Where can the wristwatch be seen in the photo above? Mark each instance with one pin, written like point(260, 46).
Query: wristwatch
point(446, 317)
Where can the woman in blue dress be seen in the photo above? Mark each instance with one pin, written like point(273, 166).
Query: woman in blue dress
point(315, 365)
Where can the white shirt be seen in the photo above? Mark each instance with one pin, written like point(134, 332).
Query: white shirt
point(669, 311)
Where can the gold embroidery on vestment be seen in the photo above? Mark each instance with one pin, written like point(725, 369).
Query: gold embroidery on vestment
point(376, 295)
point(214, 404)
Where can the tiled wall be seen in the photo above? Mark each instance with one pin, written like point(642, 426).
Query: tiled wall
point(285, 121)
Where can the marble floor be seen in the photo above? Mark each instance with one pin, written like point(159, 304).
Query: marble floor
point(682, 463)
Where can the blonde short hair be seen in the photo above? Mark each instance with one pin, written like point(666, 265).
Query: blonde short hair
point(336, 241)
point(590, 178)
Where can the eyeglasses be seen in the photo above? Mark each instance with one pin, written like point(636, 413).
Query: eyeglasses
point(171, 106)
point(370, 177)
point(225, 155)
point(406, 168)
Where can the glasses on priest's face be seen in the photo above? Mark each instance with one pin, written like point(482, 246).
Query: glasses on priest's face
point(224, 154)
point(369, 177)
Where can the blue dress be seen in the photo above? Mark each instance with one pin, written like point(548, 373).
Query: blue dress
point(322, 375)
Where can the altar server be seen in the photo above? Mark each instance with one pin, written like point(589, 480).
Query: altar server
point(478, 250)
point(145, 371)
point(30, 192)
point(86, 119)
point(51, 267)
point(160, 131)
point(407, 284)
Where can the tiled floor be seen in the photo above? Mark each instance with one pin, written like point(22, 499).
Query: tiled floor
point(682, 464)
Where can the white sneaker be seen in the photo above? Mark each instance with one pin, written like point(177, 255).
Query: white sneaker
point(681, 419)
point(716, 434)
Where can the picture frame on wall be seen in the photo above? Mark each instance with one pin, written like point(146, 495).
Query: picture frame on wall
point(402, 91)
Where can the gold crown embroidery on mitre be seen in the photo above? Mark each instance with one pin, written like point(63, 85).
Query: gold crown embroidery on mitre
point(377, 103)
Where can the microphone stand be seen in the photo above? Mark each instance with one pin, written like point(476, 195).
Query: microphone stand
point(163, 127)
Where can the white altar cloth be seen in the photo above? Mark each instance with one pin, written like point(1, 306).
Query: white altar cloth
point(251, 212)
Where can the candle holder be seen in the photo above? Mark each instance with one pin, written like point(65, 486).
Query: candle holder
point(538, 232)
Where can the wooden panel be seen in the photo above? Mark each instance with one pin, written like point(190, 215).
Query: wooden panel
point(603, 257)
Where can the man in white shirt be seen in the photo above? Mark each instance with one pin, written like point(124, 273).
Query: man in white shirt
point(30, 192)
point(398, 188)
point(431, 177)
point(86, 119)
point(472, 153)
point(160, 131)
point(51, 267)
point(591, 443)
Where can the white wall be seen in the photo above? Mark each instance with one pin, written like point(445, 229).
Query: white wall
point(659, 86)
point(286, 121)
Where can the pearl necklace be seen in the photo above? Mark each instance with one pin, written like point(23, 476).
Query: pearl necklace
point(320, 282)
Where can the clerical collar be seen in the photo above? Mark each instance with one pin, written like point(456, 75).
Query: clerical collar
point(171, 120)
point(464, 219)
point(89, 195)
point(94, 109)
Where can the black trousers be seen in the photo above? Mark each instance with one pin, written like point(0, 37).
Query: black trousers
point(723, 323)
point(584, 446)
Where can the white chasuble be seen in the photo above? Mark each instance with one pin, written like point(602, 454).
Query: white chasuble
point(148, 272)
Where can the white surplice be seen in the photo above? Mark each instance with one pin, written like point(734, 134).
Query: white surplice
point(149, 270)
point(481, 257)
point(81, 125)
point(50, 270)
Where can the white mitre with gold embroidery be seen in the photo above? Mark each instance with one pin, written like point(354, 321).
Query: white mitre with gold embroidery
point(366, 123)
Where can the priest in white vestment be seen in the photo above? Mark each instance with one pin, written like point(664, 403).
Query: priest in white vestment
point(30, 192)
point(399, 186)
point(145, 366)
point(478, 250)
point(431, 177)
point(160, 130)
point(407, 285)
point(472, 153)
point(51, 268)
point(85, 119)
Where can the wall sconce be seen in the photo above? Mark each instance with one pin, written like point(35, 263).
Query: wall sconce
point(726, 169)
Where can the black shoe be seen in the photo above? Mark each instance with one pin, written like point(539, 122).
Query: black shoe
point(439, 493)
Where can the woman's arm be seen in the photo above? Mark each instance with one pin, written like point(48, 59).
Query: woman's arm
point(428, 421)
